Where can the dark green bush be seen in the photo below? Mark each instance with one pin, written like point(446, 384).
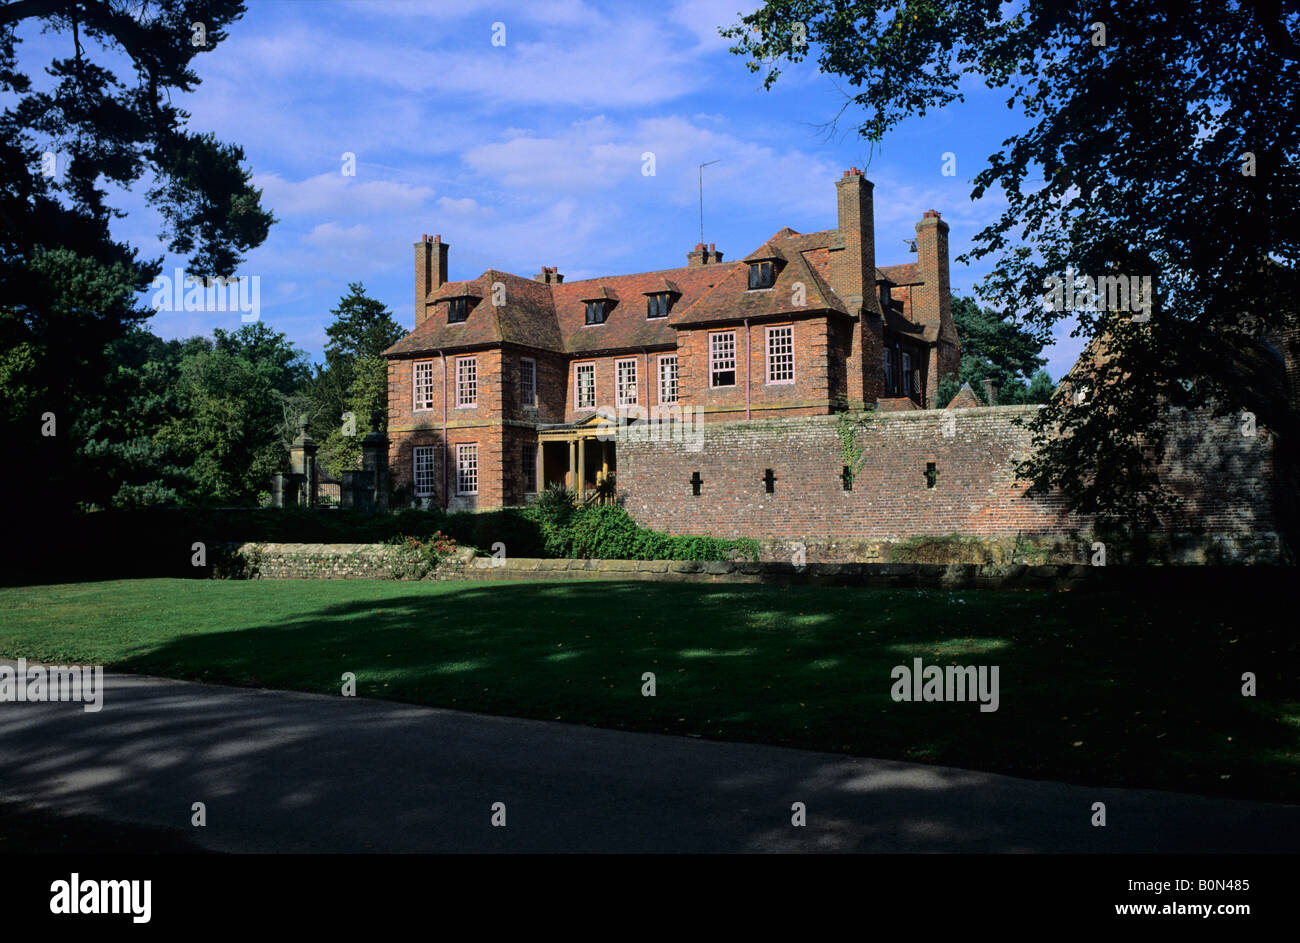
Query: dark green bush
point(610, 533)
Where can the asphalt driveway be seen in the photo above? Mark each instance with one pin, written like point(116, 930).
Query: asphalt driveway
point(289, 772)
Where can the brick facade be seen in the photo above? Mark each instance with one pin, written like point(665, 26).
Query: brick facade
point(839, 318)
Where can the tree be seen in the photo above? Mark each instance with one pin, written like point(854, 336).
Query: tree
point(239, 401)
point(270, 352)
point(1162, 145)
point(68, 287)
point(354, 372)
point(994, 348)
point(362, 327)
point(123, 464)
point(367, 394)
point(229, 434)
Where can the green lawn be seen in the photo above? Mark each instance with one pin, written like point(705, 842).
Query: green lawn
point(1094, 688)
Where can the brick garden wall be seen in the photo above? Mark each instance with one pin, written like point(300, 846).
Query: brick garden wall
point(1227, 477)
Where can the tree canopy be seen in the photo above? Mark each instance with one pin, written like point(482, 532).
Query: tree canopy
point(1161, 143)
point(68, 288)
point(998, 349)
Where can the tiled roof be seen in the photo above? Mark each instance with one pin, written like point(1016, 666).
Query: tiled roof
point(965, 399)
point(526, 318)
point(895, 321)
point(905, 274)
point(732, 300)
point(552, 316)
point(626, 326)
point(895, 404)
point(768, 250)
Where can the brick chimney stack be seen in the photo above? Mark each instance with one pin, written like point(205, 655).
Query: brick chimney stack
point(853, 254)
point(549, 275)
point(931, 301)
point(703, 255)
point(990, 392)
point(430, 272)
point(853, 276)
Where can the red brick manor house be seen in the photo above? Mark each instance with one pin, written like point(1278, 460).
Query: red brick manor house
point(495, 392)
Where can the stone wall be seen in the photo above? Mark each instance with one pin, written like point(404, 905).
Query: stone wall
point(376, 561)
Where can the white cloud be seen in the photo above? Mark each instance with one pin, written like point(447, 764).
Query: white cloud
point(337, 195)
point(463, 207)
point(333, 237)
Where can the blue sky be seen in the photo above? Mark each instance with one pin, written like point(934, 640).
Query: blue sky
point(530, 153)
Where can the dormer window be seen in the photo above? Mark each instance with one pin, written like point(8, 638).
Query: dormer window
point(596, 311)
point(761, 275)
point(457, 310)
point(658, 304)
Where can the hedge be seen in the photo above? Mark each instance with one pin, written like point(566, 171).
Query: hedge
point(160, 542)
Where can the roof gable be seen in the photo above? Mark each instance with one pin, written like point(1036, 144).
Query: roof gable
point(732, 299)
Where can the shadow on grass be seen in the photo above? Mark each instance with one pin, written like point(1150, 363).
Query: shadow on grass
point(1096, 689)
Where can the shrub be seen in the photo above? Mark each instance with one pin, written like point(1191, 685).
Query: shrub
point(232, 563)
point(415, 559)
point(553, 513)
point(610, 533)
point(604, 532)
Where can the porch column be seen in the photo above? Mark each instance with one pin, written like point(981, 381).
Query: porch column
point(573, 463)
point(538, 466)
point(582, 467)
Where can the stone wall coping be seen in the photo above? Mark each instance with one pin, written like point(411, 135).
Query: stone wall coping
point(278, 559)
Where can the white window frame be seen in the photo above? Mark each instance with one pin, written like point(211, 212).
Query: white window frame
point(421, 378)
point(578, 370)
point(625, 389)
point(716, 358)
point(466, 465)
point(528, 382)
point(668, 378)
point(427, 452)
point(787, 355)
point(466, 382)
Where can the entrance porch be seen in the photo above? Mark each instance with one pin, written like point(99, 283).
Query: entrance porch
point(573, 455)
